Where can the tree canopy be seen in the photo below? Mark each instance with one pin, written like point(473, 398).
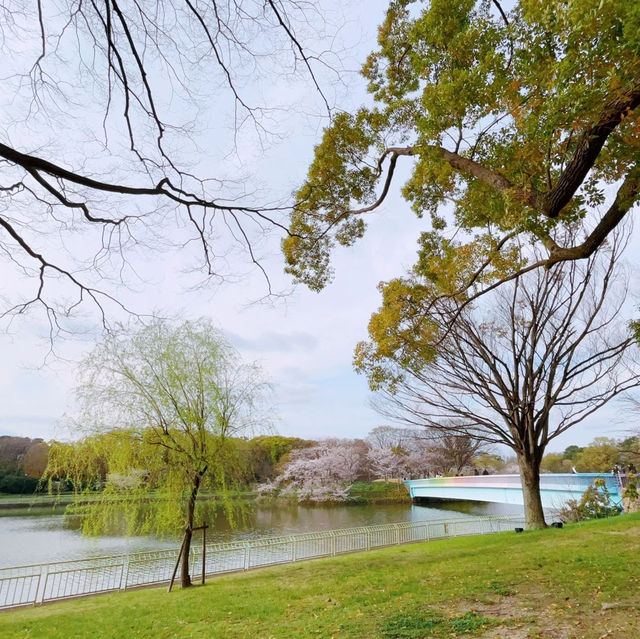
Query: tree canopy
point(518, 123)
point(600, 456)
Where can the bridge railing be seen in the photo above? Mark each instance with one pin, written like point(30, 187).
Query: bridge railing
point(30, 585)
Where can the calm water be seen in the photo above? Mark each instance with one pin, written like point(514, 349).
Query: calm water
point(45, 538)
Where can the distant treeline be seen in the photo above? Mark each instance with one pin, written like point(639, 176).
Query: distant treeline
point(600, 456)
point(263, 459)
point(22, 463)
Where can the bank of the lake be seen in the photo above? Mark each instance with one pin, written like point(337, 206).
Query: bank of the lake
point(578, 582)
point(59, 501)
point(372, 492)
point(361, 492)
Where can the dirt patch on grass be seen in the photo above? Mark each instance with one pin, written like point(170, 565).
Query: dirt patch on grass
point(629, 532)
point(521, 619)
point(504, 608)
point(532, 616)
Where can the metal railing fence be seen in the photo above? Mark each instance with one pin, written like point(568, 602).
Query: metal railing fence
point(30, 585)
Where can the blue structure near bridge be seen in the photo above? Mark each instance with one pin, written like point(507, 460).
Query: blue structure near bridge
point(555, 489)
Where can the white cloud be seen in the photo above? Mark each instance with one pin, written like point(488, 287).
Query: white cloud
point(278, 342)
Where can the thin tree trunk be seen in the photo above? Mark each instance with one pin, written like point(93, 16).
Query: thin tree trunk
point(185, 578)
point(530, 478)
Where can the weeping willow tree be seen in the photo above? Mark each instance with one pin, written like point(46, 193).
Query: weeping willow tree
point(164, 403)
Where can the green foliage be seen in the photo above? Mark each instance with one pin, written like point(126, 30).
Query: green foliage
point(18, 484)
point(490, 461)
point(496, 113)
point(598, 457)
point(433, 624)
point(499, 588)
point(164, 404)
point(516, 122)
point(631, 489)
point(350, 136)
point(555, 463)
point(571, 452)
point(143, 489)
point(82, 465)
point(629, 449)
point(403, 625)
point(378, 492)
point(595, 503)
point(263, 455)
point(399, 331)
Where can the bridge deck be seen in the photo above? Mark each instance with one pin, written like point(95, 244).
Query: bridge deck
point(555, 489)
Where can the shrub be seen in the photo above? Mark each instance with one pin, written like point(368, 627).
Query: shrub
point(631, 490)
point(595, 503)
point(18, 484)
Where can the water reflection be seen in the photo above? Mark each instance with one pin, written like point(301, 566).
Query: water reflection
point(34, 540)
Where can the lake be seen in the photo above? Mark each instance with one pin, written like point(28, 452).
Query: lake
point(35, 539)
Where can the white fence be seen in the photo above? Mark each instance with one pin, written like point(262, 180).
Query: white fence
point(30, 585)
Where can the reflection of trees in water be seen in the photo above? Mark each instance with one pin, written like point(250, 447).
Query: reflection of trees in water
point(475, 508)
point(221, 517)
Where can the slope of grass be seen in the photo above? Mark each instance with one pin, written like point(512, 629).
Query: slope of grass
point(382, 492)
point(582, 581)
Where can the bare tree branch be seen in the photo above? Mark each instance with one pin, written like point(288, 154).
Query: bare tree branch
point(98, 132)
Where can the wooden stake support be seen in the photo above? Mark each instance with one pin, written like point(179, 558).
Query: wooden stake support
point(203, 528)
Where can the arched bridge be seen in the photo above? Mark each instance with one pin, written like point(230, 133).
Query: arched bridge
point(555, 490)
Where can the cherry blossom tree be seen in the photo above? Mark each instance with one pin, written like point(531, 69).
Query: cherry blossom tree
point(325, 471)
point(387, 463)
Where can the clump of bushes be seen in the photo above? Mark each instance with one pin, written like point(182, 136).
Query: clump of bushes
point(631, 489)
point(595, 503)
point(630, 495)
point(18, 484)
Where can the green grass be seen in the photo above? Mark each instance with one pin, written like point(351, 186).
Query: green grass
point(429, 623)
point(10, 504)
point(37, 498)
point(374, 492)
point(581, 581)
point(36, 504)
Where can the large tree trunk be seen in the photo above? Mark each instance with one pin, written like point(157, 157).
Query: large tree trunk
point(529, 465)
point(185, 577)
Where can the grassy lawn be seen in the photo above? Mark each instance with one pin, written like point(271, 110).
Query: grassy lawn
point(374, 492)
point(38, 504)
point(20, 505)
point(38, 498)
point(582, 581)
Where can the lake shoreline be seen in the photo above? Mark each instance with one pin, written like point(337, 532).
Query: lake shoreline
point(370, 492)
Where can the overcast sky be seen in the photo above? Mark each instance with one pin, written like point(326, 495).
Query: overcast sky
point(304, 341)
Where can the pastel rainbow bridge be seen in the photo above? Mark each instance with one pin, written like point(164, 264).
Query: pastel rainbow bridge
point(555, 489)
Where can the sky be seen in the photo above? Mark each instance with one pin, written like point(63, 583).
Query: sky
point(304, 341)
